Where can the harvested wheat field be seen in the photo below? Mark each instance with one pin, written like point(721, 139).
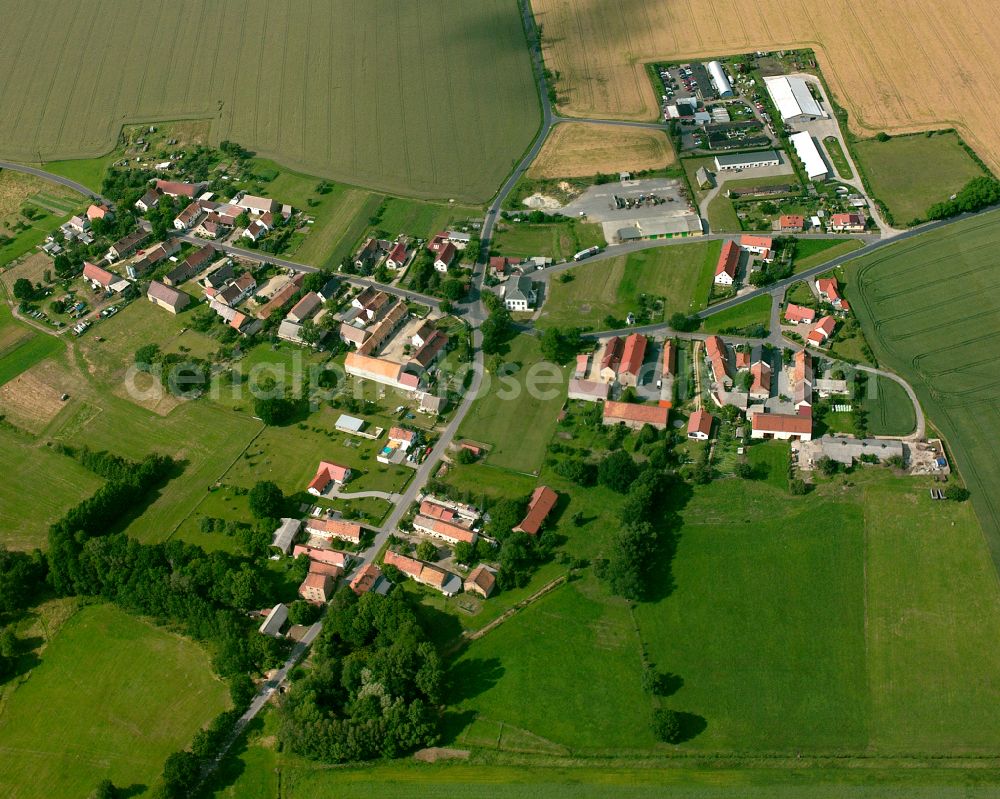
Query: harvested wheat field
point(895, 65)
point(32, 399)
point(577, 150)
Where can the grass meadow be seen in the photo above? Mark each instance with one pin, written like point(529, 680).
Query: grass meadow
point(556, 240)
point(813, 252)
point(927, 309)
point(752, 312)
point(681, 275)
point(389, 98)
point(111, 698)
point(911, 173)
point(516, 426)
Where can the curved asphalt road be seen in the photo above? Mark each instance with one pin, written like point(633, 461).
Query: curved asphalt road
point(41, 173)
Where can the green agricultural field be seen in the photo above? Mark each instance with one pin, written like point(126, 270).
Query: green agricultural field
point(556, 240)
point(29, 505)
point(752, 312)
point(112, 698)
point(328, 89)
point(516, 425)
point(928, 310)
point(813, 252)
point(911, 173)
point(681, 275)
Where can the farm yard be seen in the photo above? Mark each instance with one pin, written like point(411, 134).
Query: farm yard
point(294, 87)
point(576, 150)
point(112, 697)
point(927, 309)
point(893, 77)
point(911, 173)
point(681, 276)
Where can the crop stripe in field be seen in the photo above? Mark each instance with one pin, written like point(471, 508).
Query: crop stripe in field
point(17, 57)
point(932, 306)
point(97, 79)
point(427, 118)
point(278, 140)
point(259, 76)
point(56, 71)
point(92, 76)
point(936, 325)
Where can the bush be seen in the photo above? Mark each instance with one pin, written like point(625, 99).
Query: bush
point(667, 725)
point(956, 493)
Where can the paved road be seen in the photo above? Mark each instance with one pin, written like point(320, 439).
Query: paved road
point(41, 173)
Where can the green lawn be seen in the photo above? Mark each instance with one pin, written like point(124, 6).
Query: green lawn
point(722, 215)
point(681, 275)
point(769, 460)
point(112, 698)
point(889, 409)
point(26, 352)
point(87, 171)
point(836, 153)
point(756, 311)
point(514, 419)
point(813, 252)
point(29, 505)
point(25, 241)
point(511, 675)
point(556, 240)
point(911, 173)
point(422, 219)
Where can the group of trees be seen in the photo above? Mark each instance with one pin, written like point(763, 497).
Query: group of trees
point(978, 193)
point(497, 328)
point(632, 560)
point(559, 345)
point(375, 687)
point(519, 553)
point(205, 596)
point(181, 375)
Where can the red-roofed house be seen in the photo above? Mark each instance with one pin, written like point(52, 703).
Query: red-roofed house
point(369, 579)
point(716, 352)
point(700, 425)
point(397, 257)
point(782, 426)
point(829, 291)
point(98, 212)
point(611, 359)
point(175, 189)
point(847, 223)
point(445, 257)
point(758, 245)
point(335, 528)
point(668, 362)
point(635, 416)
point(799, 314)
point(791, 223)
point(543, 500)
point(316, 588)
point(332, 556)
point(445, 530)
point(327, 474)
point(728, 263)
point(632, 357)
point(742, 360)
point(99, 278)
point(481, 581)
point(823, 330)
point(447, 583)
point(434, 511)
point(760, 384)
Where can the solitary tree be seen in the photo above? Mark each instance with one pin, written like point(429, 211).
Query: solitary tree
point(23, 290)
point(667, 725)
point(266, 500)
